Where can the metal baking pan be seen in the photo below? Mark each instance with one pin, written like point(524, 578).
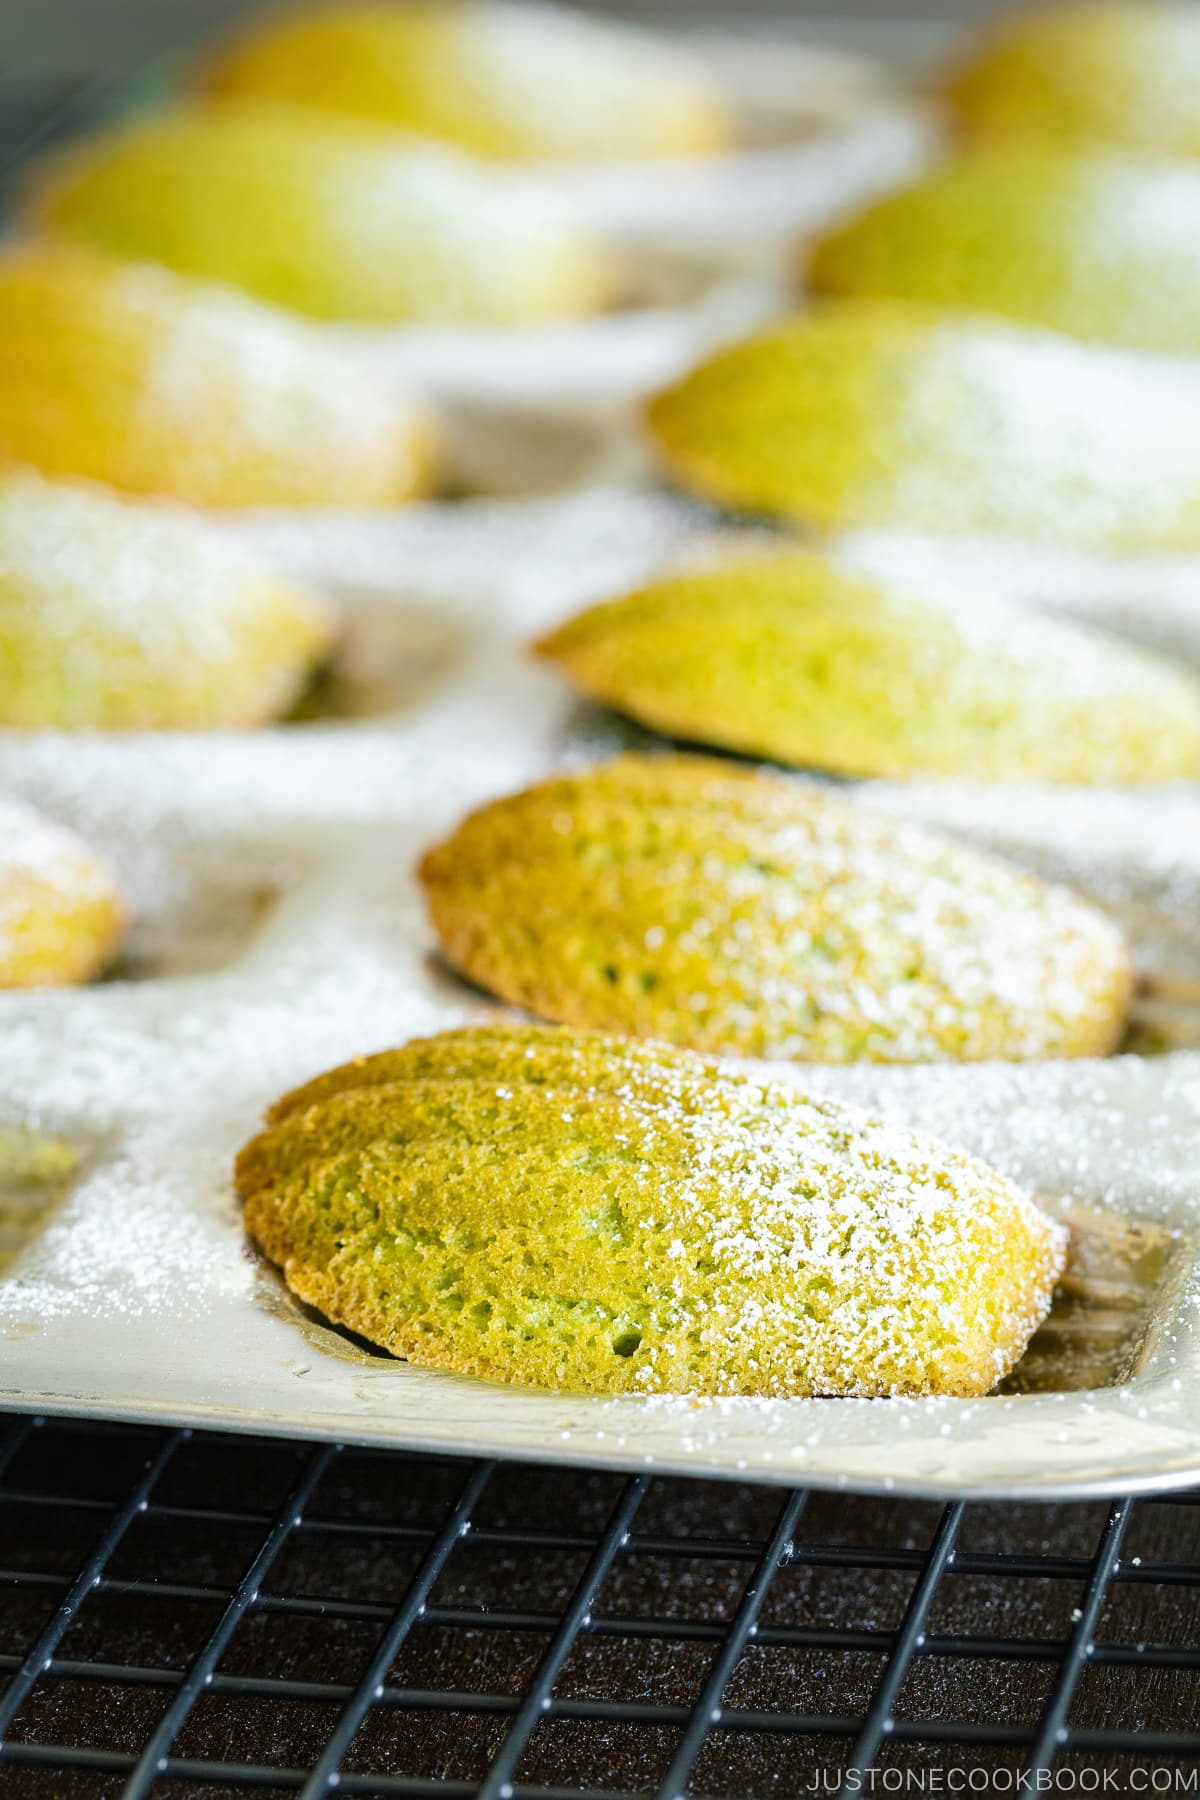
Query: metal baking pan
point(278, 930)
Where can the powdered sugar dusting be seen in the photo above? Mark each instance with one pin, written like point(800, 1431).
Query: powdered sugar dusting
point(111, 610)
point(1139, 858)
point(752, 1241)
point(1049, 439)
point(683, 899)
point(139, 1291)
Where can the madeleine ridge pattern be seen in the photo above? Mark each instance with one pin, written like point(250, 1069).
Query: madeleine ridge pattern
point(727, 910)
point(559, 1209)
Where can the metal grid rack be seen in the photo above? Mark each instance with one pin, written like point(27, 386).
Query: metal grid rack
point(193, 1614)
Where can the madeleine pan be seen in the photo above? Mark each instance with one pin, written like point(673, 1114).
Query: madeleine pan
point(278, 930)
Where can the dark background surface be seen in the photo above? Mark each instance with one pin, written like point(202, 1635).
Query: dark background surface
point(88, 35)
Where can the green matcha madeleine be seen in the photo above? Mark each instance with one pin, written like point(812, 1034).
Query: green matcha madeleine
point(126, 373)
point(333, 218)
point(723, 909)
point(892, 414)
point(118, 614)
point(1098, 71)
point(561, 1209)
point(513, 82)
point(61, 915)
point(1099, 245)
point(787, 655)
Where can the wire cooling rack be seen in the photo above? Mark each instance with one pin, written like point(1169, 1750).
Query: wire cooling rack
point(188, 1613)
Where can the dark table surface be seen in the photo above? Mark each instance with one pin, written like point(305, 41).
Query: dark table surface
point(74, 35)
